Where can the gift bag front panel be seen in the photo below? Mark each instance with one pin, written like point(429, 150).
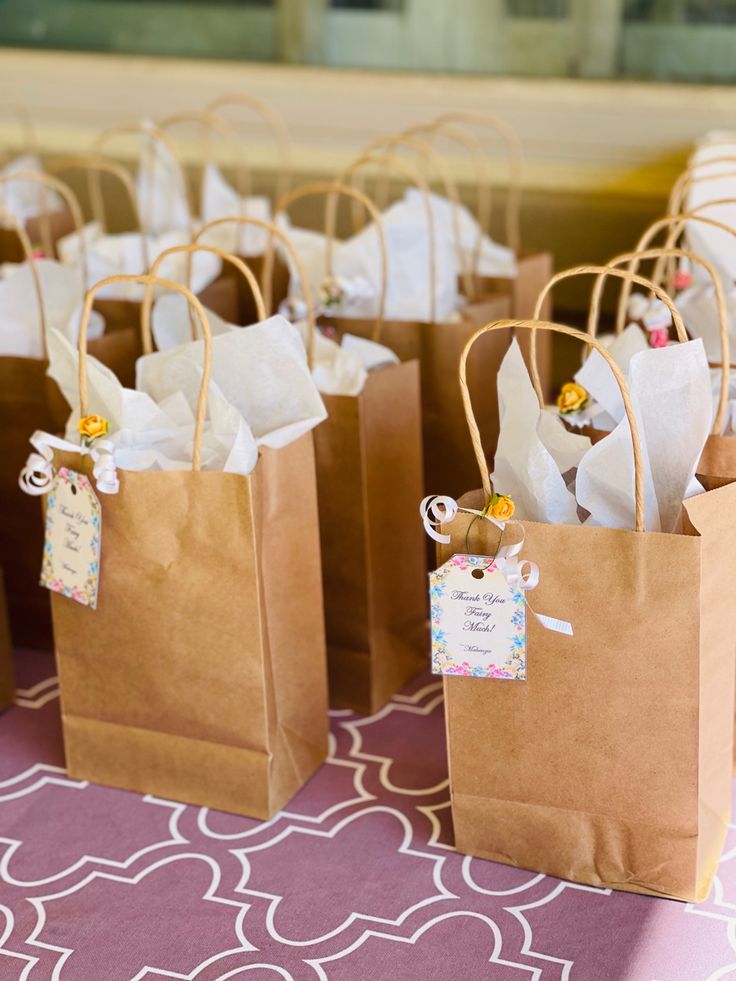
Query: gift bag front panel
point(589, 769)
point(174, 646)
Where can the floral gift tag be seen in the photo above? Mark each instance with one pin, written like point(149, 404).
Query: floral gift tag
point(478, 620)
point(71, 553)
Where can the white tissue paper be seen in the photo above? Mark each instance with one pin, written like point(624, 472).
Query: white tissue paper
point(558, 479)
point(260, 370)
point(606, 408)
point(357, 260)
point(671, 395)
point(534, 449)
point(26, 199)
point(493, 259)
point(20, 317)
point(161, 189)
point(171, 325)
point(147, 435)
point(122, 254)
point(220, 200)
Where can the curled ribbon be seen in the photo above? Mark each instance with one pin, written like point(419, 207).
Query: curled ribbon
point(37, 475)
point(523, 575)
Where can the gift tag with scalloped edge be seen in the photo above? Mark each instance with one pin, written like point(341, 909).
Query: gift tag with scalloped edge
point(71, 553)
point(478, 620)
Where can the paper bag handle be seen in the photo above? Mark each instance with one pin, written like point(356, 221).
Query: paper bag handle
point(220, 127)
point(150, 282)
point(27, 247)
point(65, 192)
point(281, 235)
point(677, 225)
point(189, 250)
point(411, 139)
point(599, 271)
point(333, 190)
point(515, 156)
point(483, 184)
point(633, 259)
point(690, 176)
point(154, 134)
point(275, 123)
point(95, 166)
point(534, 326)
point(415, 176)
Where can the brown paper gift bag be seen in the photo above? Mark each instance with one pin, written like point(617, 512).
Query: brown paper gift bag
point(372, 550)
point(29, 401)
point(375, 608)
point(611, 764)
point(7, 680)
point(201, 674)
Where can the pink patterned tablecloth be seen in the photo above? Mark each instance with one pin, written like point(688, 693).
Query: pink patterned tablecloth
point(356, 879)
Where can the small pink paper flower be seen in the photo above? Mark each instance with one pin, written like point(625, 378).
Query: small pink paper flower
point(683, 279)
point(659, 337)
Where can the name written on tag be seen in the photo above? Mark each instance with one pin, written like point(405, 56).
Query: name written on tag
point(478, 620)
point(71, 553)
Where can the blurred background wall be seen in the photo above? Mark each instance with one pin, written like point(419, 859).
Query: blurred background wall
point(605, 96)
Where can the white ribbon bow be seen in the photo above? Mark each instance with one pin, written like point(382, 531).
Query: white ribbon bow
point(522, 575)
point(37, 475)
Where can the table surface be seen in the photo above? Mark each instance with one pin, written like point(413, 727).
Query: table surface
point(356, 879)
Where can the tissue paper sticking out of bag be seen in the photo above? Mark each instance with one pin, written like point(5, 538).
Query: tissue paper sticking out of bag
point(171, 324)
point(161, 189)
point(597, 378)
point(122, 255)
point(408, 293)
point(220, 200)
point(493, 259)
point(261, 370)
point(147, 435)
point(526, 464)
point(20, 317)
point(671, 395)
point(26, 199)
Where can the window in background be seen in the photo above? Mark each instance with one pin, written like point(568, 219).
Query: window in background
point(669, 40)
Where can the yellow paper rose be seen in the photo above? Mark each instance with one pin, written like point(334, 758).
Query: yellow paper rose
point(572, 398)
point(501, 507)
point(91, 427)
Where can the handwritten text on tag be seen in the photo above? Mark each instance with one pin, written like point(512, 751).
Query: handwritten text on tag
point(71, 554)
point(478, 620)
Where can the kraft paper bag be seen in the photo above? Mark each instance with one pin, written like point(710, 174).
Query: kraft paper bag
point(200, 676)
point(7, 680)
point(611, 764)
point(372, 557)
